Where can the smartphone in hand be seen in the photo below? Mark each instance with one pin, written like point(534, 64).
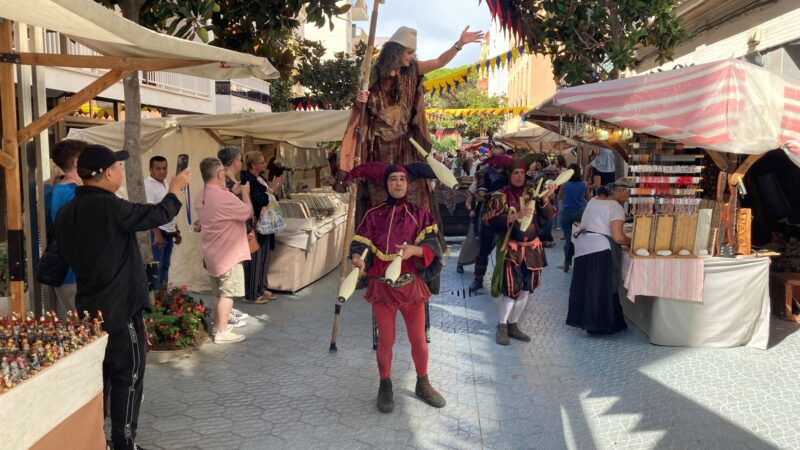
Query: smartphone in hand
point(183, 163)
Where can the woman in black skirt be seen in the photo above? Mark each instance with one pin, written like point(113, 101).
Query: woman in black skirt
point(593, 298)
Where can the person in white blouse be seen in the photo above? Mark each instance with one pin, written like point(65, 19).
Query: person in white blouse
point(593, 298)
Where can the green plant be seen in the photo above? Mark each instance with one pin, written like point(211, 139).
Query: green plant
point(446, 144)
point(176, 319)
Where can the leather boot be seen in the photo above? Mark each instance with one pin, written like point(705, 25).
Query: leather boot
point(516, 333)
point(475, 286)
point(428, 394)
point(502, 334)
point(385, 400)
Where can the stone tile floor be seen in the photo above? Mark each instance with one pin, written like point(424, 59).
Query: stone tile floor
point(281, 388)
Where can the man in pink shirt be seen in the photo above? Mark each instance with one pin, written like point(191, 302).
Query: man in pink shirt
point(221, 221)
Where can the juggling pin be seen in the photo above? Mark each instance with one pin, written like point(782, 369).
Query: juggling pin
point(525, 221)
point(348, 286)
point(393, 271)
point(442, 173)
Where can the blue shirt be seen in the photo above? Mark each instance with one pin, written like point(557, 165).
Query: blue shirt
point(574, 195)
point(62, 194)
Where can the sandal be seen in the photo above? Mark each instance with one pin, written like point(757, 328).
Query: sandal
point(259, 301)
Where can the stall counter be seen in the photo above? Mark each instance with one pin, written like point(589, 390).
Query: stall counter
point(59, 408)
point(734, 309)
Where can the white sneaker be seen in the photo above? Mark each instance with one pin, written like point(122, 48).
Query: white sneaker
point(227, 337)
point(235, 322)
point(239, 314)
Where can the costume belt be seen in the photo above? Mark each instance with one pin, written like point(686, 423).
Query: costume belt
point(521, 246)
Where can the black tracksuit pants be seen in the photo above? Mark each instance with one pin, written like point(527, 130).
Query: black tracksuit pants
point(123, 375)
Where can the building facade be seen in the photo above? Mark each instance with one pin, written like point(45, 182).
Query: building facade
point(766, 33)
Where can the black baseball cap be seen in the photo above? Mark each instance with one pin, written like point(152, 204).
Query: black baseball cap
point(97, 158)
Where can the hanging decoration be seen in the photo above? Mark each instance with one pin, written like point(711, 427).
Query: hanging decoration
point(456, 80)
point(507, 15)
point(468, 112)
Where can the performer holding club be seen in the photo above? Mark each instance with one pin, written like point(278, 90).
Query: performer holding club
point(522, 255)
point(398, 228)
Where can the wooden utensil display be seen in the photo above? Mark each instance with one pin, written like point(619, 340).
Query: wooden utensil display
point(663, 236)
point(743, 223)
point(684, 234)
point(642, 230)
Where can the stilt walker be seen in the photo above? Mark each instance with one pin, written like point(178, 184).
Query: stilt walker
point(402, 232)
point(520, 255)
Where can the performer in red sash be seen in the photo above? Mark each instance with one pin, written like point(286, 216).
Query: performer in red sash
point(395, 225)
point(524, 257)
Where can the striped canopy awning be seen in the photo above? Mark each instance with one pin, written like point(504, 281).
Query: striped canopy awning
point(730, 106)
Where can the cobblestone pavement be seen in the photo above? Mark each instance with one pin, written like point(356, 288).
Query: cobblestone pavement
point(281, 388)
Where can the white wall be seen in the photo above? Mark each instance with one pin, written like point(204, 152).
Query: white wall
point(498, 43)
point(779, 24)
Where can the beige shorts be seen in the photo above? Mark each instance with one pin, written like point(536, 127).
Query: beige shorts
point(230, 284)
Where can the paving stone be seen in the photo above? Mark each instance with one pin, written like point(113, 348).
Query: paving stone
point(281, 388)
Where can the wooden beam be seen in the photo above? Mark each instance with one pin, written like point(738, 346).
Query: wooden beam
point(11, 150)
point(719, 159)
point(7, 161)
point(76, 100)
point(100, 62)
point(743, 168)
point(214, 136)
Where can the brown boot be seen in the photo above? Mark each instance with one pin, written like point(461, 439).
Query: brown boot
point(502, 334)
point(516, 333)
point(385, 396)
point(428, 394)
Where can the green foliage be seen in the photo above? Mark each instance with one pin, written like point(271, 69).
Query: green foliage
point(446, 144)
point(471, 97)
point(280, 91)
point(176, 319)
point(331, 83)
point(261, 27)
point(590, 41)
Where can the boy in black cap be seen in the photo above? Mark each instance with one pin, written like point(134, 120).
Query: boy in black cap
point(96, 233)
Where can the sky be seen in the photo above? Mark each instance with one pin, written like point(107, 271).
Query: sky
point(438, 23)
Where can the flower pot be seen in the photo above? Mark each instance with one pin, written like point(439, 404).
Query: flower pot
point(164, 356)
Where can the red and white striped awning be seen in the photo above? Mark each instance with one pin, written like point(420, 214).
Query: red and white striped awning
point(730, 106)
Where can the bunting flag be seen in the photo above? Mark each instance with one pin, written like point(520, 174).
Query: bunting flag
point(508, 15)
point(454, 80)
point(436, 113)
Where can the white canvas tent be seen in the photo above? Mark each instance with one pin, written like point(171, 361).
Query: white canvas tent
point(108, 33)
point(199, 137)
point(536, 138)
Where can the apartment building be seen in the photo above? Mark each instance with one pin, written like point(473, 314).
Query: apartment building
point(763, 32)
point(345, 33)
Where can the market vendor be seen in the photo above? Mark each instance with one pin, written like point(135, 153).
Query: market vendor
point(386, 229)
point(523, 254)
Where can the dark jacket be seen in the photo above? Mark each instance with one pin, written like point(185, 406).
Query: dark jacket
point(258, 192)
point(96, 234)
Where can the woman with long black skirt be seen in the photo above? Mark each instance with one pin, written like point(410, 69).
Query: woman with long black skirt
point(593, 297)
point(255, 270)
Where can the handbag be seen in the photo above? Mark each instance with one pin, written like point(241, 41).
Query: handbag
point(252, 242)
point(52, 268)
point(271, 219)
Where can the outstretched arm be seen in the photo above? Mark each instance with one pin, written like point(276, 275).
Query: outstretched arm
point(467, 37)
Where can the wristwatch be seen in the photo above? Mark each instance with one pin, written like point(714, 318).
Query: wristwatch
point(458, 45)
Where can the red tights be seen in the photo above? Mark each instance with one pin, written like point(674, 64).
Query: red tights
point(414, 317)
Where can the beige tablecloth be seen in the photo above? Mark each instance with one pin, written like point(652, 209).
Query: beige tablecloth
point(68, 392)
point(734, 310)
point(303, 256)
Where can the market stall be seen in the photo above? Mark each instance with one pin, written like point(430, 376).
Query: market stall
point(682, 133)
point(291, 137)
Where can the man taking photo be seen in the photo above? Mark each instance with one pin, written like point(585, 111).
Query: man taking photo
point(164, 237)
point(96, 234)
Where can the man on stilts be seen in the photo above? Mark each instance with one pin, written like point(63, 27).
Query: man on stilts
point(393, 226)
point(520, 251)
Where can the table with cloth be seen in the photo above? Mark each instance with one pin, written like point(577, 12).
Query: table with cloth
point(305, 251)
point(59, 408)
point(698, 302)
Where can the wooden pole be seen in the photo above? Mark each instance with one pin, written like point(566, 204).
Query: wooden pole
point(350, 155)
point(13, 201)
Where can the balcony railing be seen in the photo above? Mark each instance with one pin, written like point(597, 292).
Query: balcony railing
point(170, 82)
